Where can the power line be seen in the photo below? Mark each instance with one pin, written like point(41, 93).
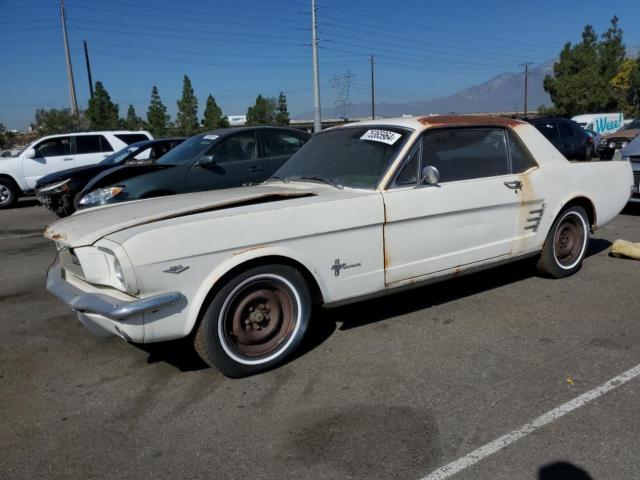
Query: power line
point(341, 85)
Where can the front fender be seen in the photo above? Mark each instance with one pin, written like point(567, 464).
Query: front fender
point(241, 257)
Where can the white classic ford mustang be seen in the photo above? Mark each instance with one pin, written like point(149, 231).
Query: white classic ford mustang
point(361, 210)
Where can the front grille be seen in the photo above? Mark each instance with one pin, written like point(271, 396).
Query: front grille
point(618, 142)
point(69, 262)
point(636, 182)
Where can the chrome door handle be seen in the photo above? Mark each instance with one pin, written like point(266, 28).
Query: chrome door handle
point(515, 185)
point(67, 159)
point(255, 169)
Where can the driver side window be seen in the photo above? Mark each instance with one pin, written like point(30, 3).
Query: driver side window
point(238, 148)
point(54, 147)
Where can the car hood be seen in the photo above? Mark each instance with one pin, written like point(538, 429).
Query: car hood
point(633, 149)
point(631, 133)
point(75, 173)
point(123, 172)
point(85, 227)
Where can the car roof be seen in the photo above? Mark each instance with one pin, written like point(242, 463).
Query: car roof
point(145, 143)
point(228, 130)
point(551, 119)
point(432, 121)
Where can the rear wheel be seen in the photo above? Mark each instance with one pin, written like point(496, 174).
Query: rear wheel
point(8, 193)
point(566, 244)
point(255, 321)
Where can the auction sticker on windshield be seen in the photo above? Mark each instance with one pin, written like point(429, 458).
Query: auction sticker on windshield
point(211, 137)
point(383, 136)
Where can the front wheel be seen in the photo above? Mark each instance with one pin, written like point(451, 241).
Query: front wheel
point(566, 244)
point(8, 193)
point(255, 321)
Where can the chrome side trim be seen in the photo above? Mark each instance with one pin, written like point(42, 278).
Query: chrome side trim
point(102, 304)
point(390, 290)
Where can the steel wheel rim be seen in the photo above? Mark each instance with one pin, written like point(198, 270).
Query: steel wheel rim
point(5, 195)
point(259, 319)
point(569, 241)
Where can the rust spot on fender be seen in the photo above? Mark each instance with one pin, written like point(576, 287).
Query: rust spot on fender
point(256, 247)
point(56, 236)
point(472, 120)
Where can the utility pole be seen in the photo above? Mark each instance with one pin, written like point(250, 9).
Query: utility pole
point(526, 80)
point(86, 59)
point(373, 95)
point(317, 121)
point(72, 86)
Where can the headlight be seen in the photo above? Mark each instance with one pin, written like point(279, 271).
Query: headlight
point(56, 187)
point(101, 266)
point(624, 144)
point(101, 195)
point(612, 145)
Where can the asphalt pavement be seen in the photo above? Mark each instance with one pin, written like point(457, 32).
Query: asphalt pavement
point(393, 388)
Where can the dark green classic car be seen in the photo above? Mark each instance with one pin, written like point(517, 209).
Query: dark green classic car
point(221, 158)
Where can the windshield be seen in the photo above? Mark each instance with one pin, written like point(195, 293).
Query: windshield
point(119, 156)
point(349, 156)
point(188, 150)
point(634, 124)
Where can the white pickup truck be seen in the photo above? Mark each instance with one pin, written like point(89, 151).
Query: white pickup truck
point(19, 174)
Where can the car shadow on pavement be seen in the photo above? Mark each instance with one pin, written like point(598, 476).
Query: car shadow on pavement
point(563, 471)
point(26, 202)
point(631, 209)
point(178, 353)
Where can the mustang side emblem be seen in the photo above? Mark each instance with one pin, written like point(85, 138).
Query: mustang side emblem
point(176, 269)
point(337, 266)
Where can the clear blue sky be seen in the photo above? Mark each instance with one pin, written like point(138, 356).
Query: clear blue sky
point(235, 49)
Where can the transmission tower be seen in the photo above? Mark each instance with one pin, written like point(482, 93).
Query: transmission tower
point(341, 85)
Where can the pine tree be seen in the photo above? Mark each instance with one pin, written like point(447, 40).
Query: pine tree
point(213, 117)
point(133, 121)
point(581, 80)
point(282, 114)
point(187, 118)
point(102, 112)
point(263, 112)
point(157, 117)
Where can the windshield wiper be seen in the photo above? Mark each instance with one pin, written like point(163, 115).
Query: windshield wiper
point(317, 178)
point(278, 177)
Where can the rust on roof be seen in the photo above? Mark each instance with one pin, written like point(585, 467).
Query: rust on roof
point(455, 120)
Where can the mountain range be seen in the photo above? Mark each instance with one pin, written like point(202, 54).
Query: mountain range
point(502, 93)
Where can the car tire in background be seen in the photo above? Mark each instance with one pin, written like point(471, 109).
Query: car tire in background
point(566, 244)
point(8, 192)
point(255, 320)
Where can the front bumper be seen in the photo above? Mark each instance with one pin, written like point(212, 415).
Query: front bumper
point(103, 314)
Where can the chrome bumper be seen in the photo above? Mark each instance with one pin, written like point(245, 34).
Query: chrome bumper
point(102, 304)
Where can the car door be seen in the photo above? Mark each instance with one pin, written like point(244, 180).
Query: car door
point(467, 219)
point(51, 155)
point(90, 149)
point(277, 147)
point(235, 163)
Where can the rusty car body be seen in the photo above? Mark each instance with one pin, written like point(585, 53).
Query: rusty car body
point(362, 210)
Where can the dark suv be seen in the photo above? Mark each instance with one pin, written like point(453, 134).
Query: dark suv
point(567, 136)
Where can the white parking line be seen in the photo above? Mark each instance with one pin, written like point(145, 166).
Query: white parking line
point(490, 448)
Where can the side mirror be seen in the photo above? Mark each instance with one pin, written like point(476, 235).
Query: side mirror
point(30, 153)
point(430, 176)
point(207, 161)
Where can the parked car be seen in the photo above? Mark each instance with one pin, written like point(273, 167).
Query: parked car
point(567, 136)
point(18, 175)
point(595, 141)
point(600, 122)
point(222, 158)
point(361, 210)
point(59, 191)
point(617, 141)
point(631, 153)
